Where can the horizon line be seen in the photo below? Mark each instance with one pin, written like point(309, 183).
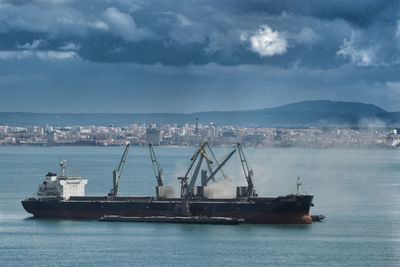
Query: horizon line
point(191, 113)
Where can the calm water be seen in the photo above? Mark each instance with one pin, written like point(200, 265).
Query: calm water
point(358, 191)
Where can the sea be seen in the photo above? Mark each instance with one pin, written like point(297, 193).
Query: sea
point(357, 190)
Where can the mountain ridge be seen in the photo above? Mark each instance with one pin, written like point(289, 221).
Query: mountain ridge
point(330, 106)
point(314, 113)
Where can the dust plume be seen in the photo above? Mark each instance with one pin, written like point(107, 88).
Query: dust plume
point(224, 188)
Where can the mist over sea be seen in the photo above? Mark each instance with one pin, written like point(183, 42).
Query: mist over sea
point(358, 191)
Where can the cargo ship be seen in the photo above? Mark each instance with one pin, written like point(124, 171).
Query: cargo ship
point(63, 196)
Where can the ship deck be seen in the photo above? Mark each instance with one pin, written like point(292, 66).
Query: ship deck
point(174, 200)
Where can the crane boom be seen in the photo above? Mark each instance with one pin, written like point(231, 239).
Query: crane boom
point(220, 166)
point(188, 183)
point(117, 172)
point(195, 174)
point(193, 159)
point(158, 172)
point(248, 172)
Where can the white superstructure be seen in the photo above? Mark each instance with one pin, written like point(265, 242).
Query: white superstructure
point(62, 186)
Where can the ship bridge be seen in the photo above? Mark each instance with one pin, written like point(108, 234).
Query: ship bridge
point(61, 186)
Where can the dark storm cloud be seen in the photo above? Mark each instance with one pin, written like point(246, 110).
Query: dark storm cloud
point(314, 33)
point(360, 13)
point(186, 56)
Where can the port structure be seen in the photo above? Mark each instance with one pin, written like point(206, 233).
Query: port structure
point(117, 172)
point(188, 181)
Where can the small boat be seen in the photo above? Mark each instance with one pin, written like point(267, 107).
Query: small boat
point(317, 218)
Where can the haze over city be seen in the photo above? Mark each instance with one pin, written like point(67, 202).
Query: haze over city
point(189, 56)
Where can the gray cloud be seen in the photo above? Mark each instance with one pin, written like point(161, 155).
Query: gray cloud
point(260, 53)
point(32, 46)
point(70, 46)
point(123, 25)
point(206, 32)
point(44, 55)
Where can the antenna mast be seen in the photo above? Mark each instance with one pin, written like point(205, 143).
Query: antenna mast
point(63, 165)
point(197, 131)
point(298, 185)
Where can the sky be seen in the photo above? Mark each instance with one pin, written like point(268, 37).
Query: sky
point(189, 56)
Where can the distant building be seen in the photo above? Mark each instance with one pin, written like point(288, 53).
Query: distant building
point(85, 130)
point(33, 130)
point(153, 136)
point(51, 137)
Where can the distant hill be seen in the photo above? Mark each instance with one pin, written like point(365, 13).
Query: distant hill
point(326, 106)
point(320, 113)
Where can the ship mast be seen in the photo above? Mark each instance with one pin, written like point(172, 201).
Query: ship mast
point(63, 165)
point(298, 185)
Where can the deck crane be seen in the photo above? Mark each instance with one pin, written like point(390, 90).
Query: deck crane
point(248, 172)
point(188, 183)
point(219, 168)
point(156, 166)
point(117, 172)
point(187, 189)
point(216, 161)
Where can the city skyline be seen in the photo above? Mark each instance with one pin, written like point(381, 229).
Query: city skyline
point(125, 56)
point(194, 134)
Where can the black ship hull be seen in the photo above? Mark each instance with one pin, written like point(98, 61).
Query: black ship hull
point(291, 209)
